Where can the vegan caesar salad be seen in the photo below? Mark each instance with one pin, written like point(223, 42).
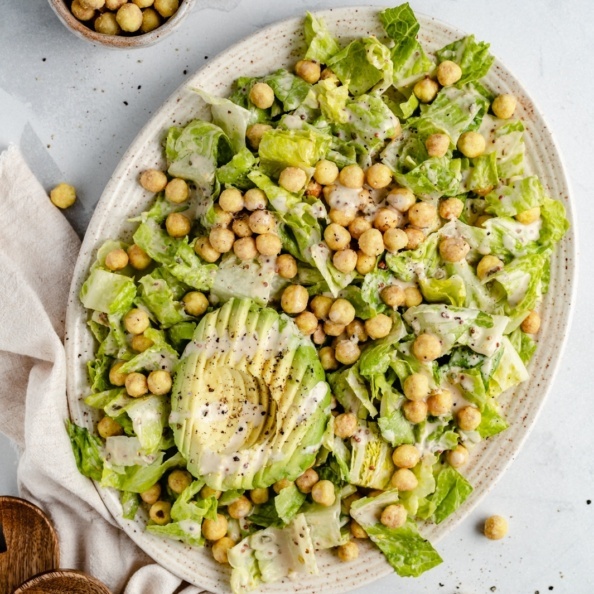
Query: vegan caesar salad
point(338, 275)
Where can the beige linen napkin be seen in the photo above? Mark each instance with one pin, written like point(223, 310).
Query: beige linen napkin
point(38, 249)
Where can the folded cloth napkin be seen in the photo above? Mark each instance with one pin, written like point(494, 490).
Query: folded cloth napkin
point(38, 249)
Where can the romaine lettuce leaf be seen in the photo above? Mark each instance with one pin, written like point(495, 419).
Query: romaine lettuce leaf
point(451, 491)
point(321, 45)
point(324, 524)
point(450, 290)
point(371, 458)
point(288, 502)
point(472, 56)
point(235, 172)
point(518, 196)
point(87, 450)
point(108, 292)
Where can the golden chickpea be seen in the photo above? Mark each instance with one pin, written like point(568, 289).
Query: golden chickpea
point(416, 386)
point(528, 216)
point(255, 132)
point(378, 176)
point(222, 218)
point(179, 480)
point(358, 226)
point(240, 508)
point(503, 106)
point(393, 296)
point(412, 297)
point(129, 17)
point(365, 263)
point(207, 492)
point(195, 303)
point(357, 530)
point(531, 323)
point(177, 224)
point(221, 239)
point(215, 529)
point(345, 260)
point(268, 244)
point(371, 242)
point(141, 343)
point(262, 221)
point(307, 480)
point(333, 328)
point(457, 457)
point(231, 200)
point(280, 485)
point(241, 226)
point(177, 191)
point(292, 179)
point(437, 145)
point(451, 208)
point(107, 24)
point(166, 8)
point(81, 12)
point(95, 4)
point(386, 218)
point(259, 496)
point(152, 180)
point(453, 249)
point(205, 250)
point(448, 73)
point(401, 199)
point(327, 358)
point(415, 238)
point(471, 144)
point(379, 326)
point(406, 456)
point(352, 176)
point(136, 321)
point(115, 377)
point(415, 411)
point(425, 90)
point(321, 305)
point(487, 266)
point(341, 312)
point(159, 382)
point(143, 3)
point(323, 493)
point(427, 347)
point(422, 215)
point(319, 336)
point(342, 217)
point(345, 425)
point(108, 427)
point(160, 511)
point(394, 516)
point(326, 172)
point(245, 248)
point(286, 266)
point(469, 418)
point(347, 352)
point(306, 322)
point(440, 403)
point(262, 95)
point(495, 527)
point(63, 196)
point(308, 70)
point(349, 551)
point(151, 20)
point(404, 480)
point(337, 237)
point(136, 384)
point(294, 299)
point(395, 240)
point(138, 258)
point(152, 494)
point(116, 259)
point(356, 329)
point(221, 548)
point(313, 188)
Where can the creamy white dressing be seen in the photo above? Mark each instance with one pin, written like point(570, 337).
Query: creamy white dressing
point(190, 526)
point(343, 198)
point(121, 450)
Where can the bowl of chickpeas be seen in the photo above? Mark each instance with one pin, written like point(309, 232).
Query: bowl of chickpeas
point(123, 24)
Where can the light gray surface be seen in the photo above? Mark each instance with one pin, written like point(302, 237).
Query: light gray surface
point(63, 100)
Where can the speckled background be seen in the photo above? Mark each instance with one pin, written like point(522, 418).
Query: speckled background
point(75, 108)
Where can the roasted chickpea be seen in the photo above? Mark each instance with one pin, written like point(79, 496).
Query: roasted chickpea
point(221, 548)
point(415, 238)
point(292, 179)
point(326, 172)
point(63, 195)
point(141, 343)
point(262, 221)
point(107, 24)
point(207, 492)
point(471, 144)
point(451, 208)
point(306, 322)
point(152, 494)
point(136, 384)
point(358, 226)
point(352, 176)
point(448, 73)
point(179, 480)
point(425, 90)
point(241, 227)
point(138, 258)
point(129, 17)
point(394, 516)
point(116, 259)
point(159, 382)
point(341, 312)
point(259, 495)
point(268, 244)
point(347, 352)
point(395, 240)
point(95, 4)
point(215, 529)
point(356, 329)
point(313, 188)
point(136, 321)
point(406, 456)
point(321, 305)
point(357, 530)
point(416, 386)
point(345, 425)
point(205, 250)
point(286, 266)
point(345, 260)
point(371, 242)
point(240, 508)
point(440, 403)
point(528, 216)
point(469, 418)
point(222, 218)
point(487, 266)
point(151, 20)
point(166, 8)
point(294, 299)
point(254, 134)
point(412, 297)
point(307, 480)
point(379, 326)
point(457, 457)
point(422, 215)
point(342, 217)
point(427, 347)
point(160, 511)
point(337, 237)
point(365, 263)
point(333, 328)
point(231, 200)
point(245, 248)
point(415, 411)
point(401, 199)
point(495, 527)
point(177, 224)
point(143, 3)
point(378, 176)
point(453, 249)
point(503, 106)
point(262, 95)
point(349, 551)
point(280, 485)
point(392, 296)
point(115, 377)
point(404, 480)
point(437, 145)
point(177, 191)
point(221, 239)
point(308, 70)
point(319, 336)
point(108, 427)
point(327, 358)
point(531, 323)
point(387, 218)
point(255, 199)
point(81, 12)
point(323, 493)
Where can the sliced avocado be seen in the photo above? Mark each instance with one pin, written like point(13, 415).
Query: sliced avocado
point(250, 403)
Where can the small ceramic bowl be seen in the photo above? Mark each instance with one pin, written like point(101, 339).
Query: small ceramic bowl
point(85, 31)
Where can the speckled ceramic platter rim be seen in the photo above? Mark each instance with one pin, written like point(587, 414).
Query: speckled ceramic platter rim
point(281, 45)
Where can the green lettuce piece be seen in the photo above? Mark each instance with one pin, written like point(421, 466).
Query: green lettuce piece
point(524, 344)
point(405, 549)
point(100, 400)
point(230, 496)
point(115, 343)
point(409, 265)
point(373, 283)
point(322, 258)
point(375, 357)
point(125, 450)
point(324, 524)
point(492, 421)
point(289, 89)
point(483, 175)
point(506, 139)
point(405, 152)
point(518, 196)
point(190, 269)
point(288, 502)
point(353, 294)
point(470, 382)
point(321, 45)
point(158, 356)
point(161, 293)
point(235, 172)
point(476, 294)
point(149, 417)
point(371, 459)
point(181, 333)
point(160, 246)
point(351, 391)
point(392, 424)
point(451, 491)
point(510, 371)
point(433, 178)
point(265, 515)
point(333, 99)
point(281, 200)
point(240, 95)
point(472, 56)
point(416, 499)
point(98, 370)
point(87, 451)
point(130, 504)
point(300, 229)
point(437, 436)
point(108, 292)
point(159, 210)
point(450, 290)
point(554, 222)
